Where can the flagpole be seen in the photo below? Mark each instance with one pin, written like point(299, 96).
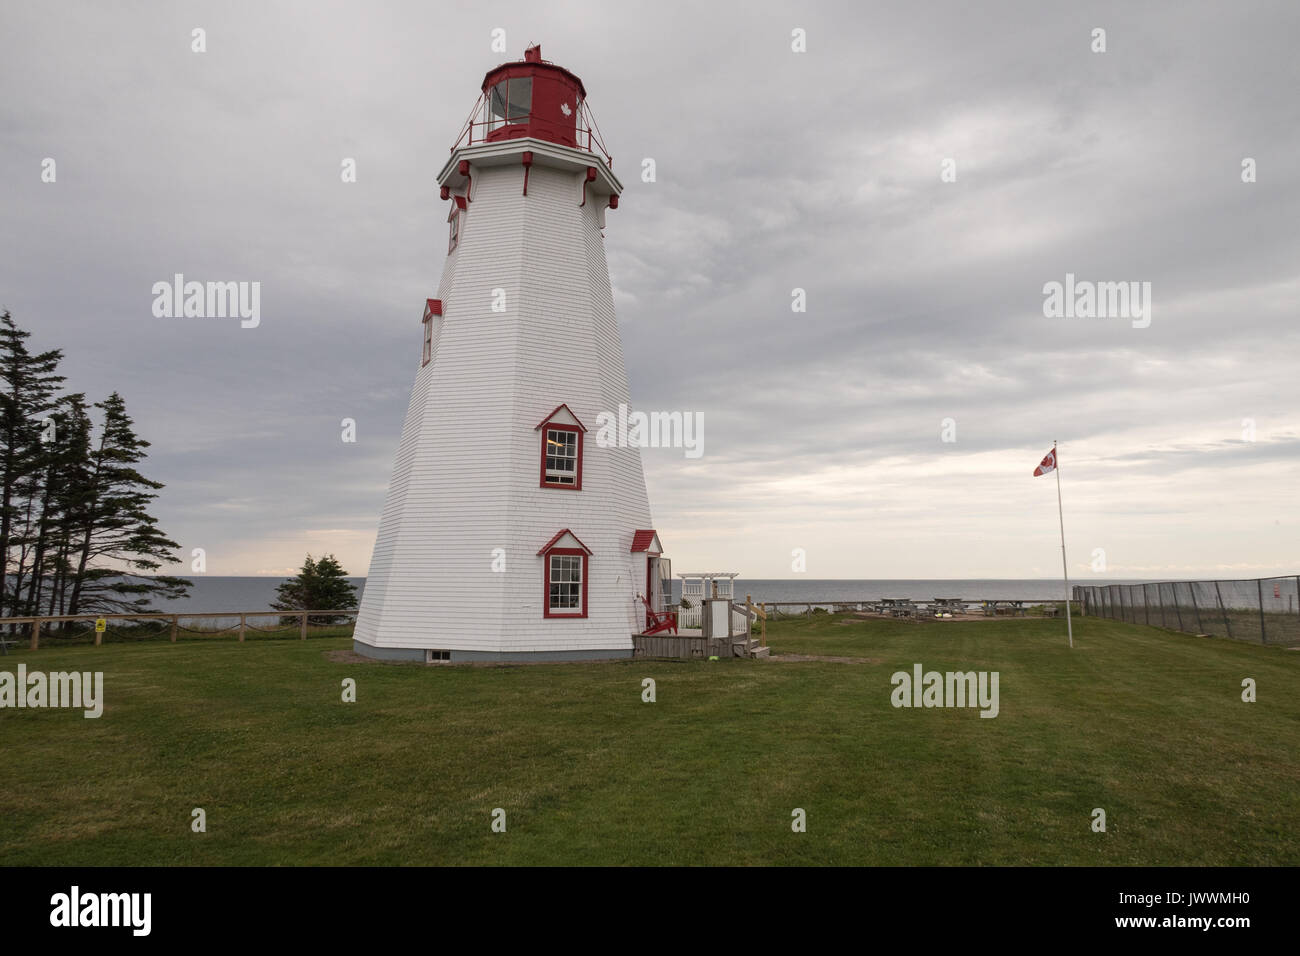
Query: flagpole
point(1065, 568)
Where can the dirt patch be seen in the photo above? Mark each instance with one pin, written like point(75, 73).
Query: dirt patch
point(798, 658)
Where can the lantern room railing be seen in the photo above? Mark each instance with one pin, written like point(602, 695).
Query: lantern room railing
point(478, 128)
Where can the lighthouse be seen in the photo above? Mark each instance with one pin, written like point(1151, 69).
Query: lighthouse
point(509, 531)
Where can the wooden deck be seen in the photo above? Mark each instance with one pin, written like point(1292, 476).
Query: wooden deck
point(690, 644)
point(686, 645)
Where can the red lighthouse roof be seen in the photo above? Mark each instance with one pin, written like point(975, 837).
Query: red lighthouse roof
point(533, 65)
point(532, 98)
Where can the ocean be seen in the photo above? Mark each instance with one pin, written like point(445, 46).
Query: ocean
point(210, 595)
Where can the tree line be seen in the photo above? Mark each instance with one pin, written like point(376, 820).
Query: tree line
point(76, 535)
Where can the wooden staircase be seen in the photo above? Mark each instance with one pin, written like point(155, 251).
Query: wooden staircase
point(749, 648)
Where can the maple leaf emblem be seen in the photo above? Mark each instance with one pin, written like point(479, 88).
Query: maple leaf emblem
point(564, 108)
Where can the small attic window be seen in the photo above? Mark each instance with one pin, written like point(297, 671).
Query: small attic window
point(561, 452)
point(455, 218)
point(432, 313)
point(562, 440)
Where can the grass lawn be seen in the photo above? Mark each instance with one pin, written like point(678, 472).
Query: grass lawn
point(1147, 724)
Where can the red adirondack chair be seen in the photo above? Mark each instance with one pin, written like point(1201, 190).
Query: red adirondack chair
point(658, 621)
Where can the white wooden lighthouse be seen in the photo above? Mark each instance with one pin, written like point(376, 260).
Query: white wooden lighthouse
point(509, 532)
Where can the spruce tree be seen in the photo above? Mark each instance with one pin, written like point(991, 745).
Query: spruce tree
point(320, 586)
point(66, 460)
point(28, 384)
point(113, 533)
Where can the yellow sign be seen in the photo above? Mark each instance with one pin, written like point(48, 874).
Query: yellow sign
point(100, 624)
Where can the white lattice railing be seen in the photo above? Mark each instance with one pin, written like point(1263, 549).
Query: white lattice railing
point(689, 616)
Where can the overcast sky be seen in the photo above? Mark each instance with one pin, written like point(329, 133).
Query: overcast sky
point(775, 170)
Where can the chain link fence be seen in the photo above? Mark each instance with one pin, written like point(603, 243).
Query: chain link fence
point(1264, 610)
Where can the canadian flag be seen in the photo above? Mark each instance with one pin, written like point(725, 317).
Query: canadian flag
point(1048, 464)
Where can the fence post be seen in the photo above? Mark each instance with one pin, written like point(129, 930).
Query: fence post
point(176, 621)
point(36, 633)
point(243, 623)
point(1263, 633)
point(302, 627)
point(1173, 586)
point(1223, 610)
point(1191, 586)
point(1146, 605)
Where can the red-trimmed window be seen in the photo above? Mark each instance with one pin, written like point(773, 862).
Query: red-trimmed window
point(455, 219)
point(564, 576)
point(566, 583)
point(562, 440)
point(432, 310)
point(562, 457)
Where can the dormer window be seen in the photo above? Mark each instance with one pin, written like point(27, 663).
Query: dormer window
point(561, 453)
point(564, 576)
point(454, 218)
point(432, 313)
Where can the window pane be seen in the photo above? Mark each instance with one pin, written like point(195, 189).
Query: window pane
point(564, 589)
point(521, 99)
point(497, 105)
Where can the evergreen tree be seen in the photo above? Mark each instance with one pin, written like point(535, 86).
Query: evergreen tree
point(320, 586)
point(65, 469)
point(28, 384)
point(113, 532)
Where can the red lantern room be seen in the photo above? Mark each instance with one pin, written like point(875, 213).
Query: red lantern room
point(534, 98)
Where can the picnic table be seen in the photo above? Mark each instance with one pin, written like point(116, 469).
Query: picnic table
point(992, 608)
point(898, 607)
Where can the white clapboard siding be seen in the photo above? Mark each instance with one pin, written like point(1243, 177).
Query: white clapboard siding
point(465, 479)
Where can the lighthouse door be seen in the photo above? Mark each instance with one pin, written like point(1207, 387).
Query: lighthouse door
point(654, 586)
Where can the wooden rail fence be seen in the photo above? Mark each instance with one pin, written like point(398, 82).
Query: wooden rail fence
point(36, 623)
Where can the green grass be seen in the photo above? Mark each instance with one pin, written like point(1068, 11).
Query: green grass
point(1145, 723)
